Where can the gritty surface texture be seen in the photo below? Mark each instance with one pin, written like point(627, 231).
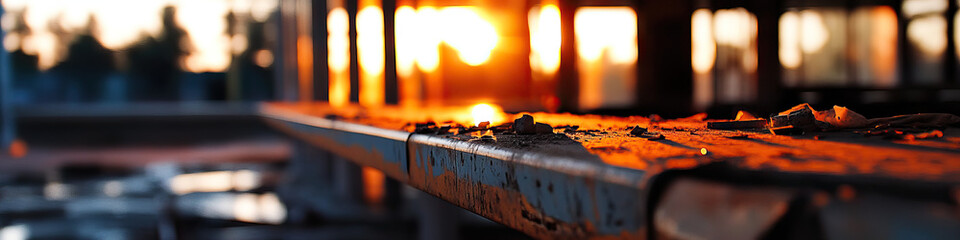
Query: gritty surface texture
point(608, 139)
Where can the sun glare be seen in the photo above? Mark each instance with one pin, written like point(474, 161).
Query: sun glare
point(486, 113)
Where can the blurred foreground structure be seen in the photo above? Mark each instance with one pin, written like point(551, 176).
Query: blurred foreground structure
point(291, 119)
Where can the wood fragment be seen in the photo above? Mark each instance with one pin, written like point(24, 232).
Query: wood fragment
point(786, 130)
point(652, 136)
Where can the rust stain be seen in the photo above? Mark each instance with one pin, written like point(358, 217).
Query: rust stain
point(502, 205)
point(606, 140)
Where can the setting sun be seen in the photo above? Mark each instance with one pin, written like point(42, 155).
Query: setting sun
point(486, 113)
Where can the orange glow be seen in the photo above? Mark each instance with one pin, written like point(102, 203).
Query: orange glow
point(216, 181)
point(428, 47)
point(338, 56)
point(485, 113)
point(596, 37)
point(258, 208)
point(703, 57)
point(373, 185)
point(545, 39)
point(11, 42)
point(205, 23)
point(18, 148)
point(305, 67)
point(219, 181)
point(813, 31)
point(407, 39)
point(121, 23)
point(928, 34)
point(478, 113)
point(704, 47)
point(790, 56)
point(370, 43)
point(734, 27)
point(419, 35)
point(263, 58)
point(406, 34)
point(467, 32)
point(370, 40)
point(607, 55)
point(245, 207)
point(956, 32)
point(883, 45)
point(801, 33)
point(304, 51)
point(913, 8)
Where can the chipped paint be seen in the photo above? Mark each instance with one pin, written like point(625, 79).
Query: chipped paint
point(550, 195)
point(557, 196)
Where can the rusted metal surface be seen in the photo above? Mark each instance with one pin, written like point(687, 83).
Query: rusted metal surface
point(543, 195)
point(369, 146)
point(597, 180)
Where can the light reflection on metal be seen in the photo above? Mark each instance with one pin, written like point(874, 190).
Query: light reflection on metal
point(263, 208)
point(607, 56)
point(373, 185)
point(216, 181)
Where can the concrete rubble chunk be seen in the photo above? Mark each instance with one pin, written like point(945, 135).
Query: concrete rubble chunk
point(524, 125)
point(637, 131)
point(543, 128)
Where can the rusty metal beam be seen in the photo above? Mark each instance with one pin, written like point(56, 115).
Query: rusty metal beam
point(368, 146)
point(545, 196)
point(566, 194)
